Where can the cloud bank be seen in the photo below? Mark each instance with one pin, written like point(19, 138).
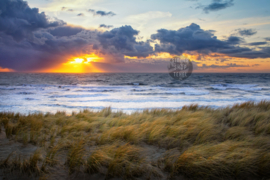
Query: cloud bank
point(193, 38)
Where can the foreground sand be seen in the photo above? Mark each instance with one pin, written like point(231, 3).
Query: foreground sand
point(191, 143)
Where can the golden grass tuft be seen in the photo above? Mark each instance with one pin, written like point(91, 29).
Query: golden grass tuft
point(75, 156)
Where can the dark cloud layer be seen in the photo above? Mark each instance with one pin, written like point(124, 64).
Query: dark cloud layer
point(216, 5)
point(101, 13)
point(18, 20)
point(193, 38)
point(29, 41)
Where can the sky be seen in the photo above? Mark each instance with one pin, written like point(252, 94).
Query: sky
point(84, 36)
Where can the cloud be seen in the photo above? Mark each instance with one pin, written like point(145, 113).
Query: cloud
point(80, 14)
point(246, 32)
point(42, 51)
point(257, 43)
point(122, 40)
point(190, 38)
point(235, 40)
point(101, 13)
point(229, 65)
point(29, 41)
point(65, 31)
point(255, 65)
point(267, 38)
point(19, 20)
point(216, 5)
point(193, 38)
point(105, 26)
point(63, 8)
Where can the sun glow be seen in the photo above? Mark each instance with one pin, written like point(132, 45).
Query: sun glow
point(81, 64)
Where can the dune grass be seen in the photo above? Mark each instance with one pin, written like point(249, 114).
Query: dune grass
point(194, 142)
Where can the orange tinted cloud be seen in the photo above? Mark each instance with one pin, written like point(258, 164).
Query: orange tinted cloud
point(6, 70)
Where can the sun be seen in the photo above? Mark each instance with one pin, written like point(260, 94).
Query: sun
point(85, 59)
point(79, 64)
point(77, 61)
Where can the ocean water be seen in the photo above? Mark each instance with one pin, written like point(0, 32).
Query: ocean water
point(37, 92)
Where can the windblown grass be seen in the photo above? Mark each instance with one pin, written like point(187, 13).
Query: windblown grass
point(194, 142)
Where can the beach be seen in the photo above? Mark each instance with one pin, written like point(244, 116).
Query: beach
point(189, 143)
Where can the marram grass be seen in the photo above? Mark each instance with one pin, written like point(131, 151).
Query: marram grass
point(191, 143)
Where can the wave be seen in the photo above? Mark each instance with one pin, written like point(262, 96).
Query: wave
point(96, 90)
point(77, 95)
point(30, 99)
point(245, 87)
point(130, 84)
point(25, 93)
point(74, 107)
point(7, 88)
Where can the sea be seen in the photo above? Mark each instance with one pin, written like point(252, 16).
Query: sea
point(128, 92)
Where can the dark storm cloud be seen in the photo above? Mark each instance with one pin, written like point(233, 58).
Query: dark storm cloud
point(190, 38)
point(193, 38)
point(267, 39)
point(257, 43)
point(122, 40)
point(18, 20)
point(44, 50)
point(29, 41)
point(105, 26)
point(246, 32)
point(216, 5)
point(101, 13)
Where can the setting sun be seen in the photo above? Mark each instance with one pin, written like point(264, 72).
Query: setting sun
point(81, 64)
